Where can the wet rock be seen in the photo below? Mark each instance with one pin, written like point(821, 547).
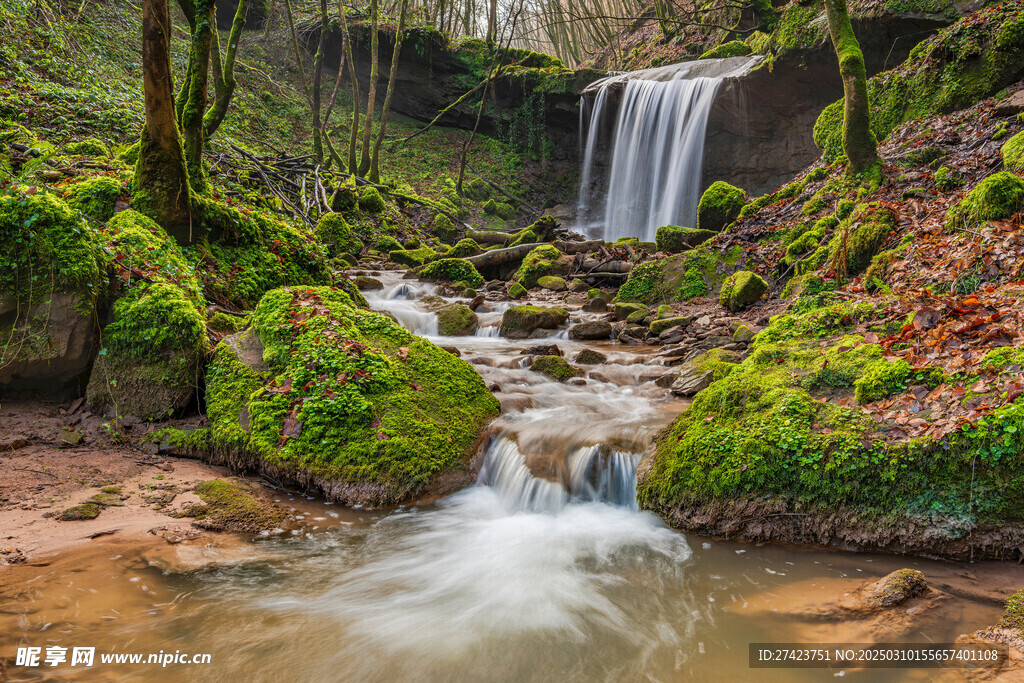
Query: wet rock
point(519, 322)
point(691, 380)
point(597, 305)
point(895, 588)
point(454, 350)
point(555, 367)
point(638, 317)
point(577, 285)
point(698, 373)
point(672, 238)
point(623, 310)
point(516, 291)
point(591, 330)
point(590, 357)
point(659, 326)
point(367, 284)
point(457, 320)
point(495, 286)
point(477, 301)
point(638, 331)
point(234, 505)
point(552, 283)
point(542, 350)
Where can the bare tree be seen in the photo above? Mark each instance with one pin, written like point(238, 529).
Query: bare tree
point(371, 95)
point(375, 161)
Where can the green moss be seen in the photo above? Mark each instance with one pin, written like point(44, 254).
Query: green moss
point(413, 257)
point(866, 230)
point(551, 282)
point(996, 359)
point(996, 198)
point(1013, 614)
point(478, 190)
point(196, 442)
point(88, 148)
point(95, 197)
point(946, 179)
point(452, 270)
point(516, 291)
point(371, 403)
point(50, 249)
point(693, 285)
point(490, 207)
point(518, 322)
point(719, 206)
point(80, 512)
point(334, 231)
point(444, 228)
point(797, 29)
point(733, 48)
point(644, 283)
point(672, 238)
point(465, 248)
point(741, 290)
point(234, 505)
point(1012, 153)
point(882, 380)
point(370, 200)
point(388, 244)
point(226, 324)
point(456, 320)
point(538, 263)
point(555, 367)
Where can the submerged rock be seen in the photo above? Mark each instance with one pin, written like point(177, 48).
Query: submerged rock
point(895, 588)
point(342, 400)
point(555, 367)
point(234, 505)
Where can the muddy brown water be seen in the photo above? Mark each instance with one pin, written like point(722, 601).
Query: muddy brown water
point(544, 571)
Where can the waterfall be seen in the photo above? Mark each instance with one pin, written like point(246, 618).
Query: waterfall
point(657, 147)
point(592, 474)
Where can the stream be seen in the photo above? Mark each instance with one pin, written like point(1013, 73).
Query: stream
point(545, 570)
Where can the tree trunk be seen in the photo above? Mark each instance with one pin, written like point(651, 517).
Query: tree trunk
point(371, 96)
point(193, 107)
point(858, 140)
point(375, 161)
point(352, 161)
point(492, 21)
point(160, 188)
point(318, 75)
point(224, 72)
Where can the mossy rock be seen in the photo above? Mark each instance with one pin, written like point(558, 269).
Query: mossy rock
point(591, 330)
point(444, 228)
point(673, 238)
point(152, 351)
point(465, 248)
point(623, 310)
point(733, 48)
point(637, 316)
point(896, 588)
point(552, 283)
point(719, 206)
point(226, 324)
point(578, 286)
point(659, 326)
point(519, 322)
point(364, 283)
point(590, 357)
point(477, 190)
point(867, 229)
point(516, 291)
point(413, 257)
point(664, 311)
point(387, 244)
point(680, 277)
point(996, 198)
point(1013, 614)
point(457, 320)
point(555, 367)
point(741, 290)
point(95, 197)
point(452, 270)
point(90, 147)
point(1012, 153)
point(371, 201)
point(881, 380)
point(490, 207)
point(343, 400)
point(80, 512)
point(235, 505)
point(541, 261)
point(336, 234)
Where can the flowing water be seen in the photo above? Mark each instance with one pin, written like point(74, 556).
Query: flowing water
point(657, 147)
point(545, 570)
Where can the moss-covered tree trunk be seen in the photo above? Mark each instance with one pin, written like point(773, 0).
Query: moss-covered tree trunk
point(353, 137)
point(318, 77)
point(375, 162)
point(192, 108)
point(224, 71)
point(371, 96)
point(858, 140)
point(160, 188)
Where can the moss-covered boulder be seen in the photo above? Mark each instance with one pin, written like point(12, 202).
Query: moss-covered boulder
point(1012, 153)
point(552, 283)
point(578, 286)
point(51, 276)
point(719, 206)
point(697, 272)
point(895, 588)
point(624, 309)
point(995, 198)
point(413, 257)
point(733, 48)
point(865, 231)
point(519, 322)
point(95, 197)
point(662, 324)
point(457, 320)
point(590, 357)
point(452, 270)
point(343, 400)
point(371, 201)
point(465, 248)
point(153, 348)
point(741, 290)
point(387, 244)
point(516, 291)
point(673, 238)
point(541, 261)
point(591, 330)
point(365, 283)
point(337, 236)
point(555, 367)
point(90, 147)
point(444, 228)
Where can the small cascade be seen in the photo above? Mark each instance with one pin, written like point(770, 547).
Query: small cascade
point(656, 147)
point(593, 473)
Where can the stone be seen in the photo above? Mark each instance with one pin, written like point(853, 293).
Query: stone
point(542, 350)
point(895, 588)
point(367, 284)
point(1012, 105)
point(552, 283)
point(592, 329)
point(516, 291)
point(638, 316)
point(659, 326)
point(597, 305)
point(743, 333)
point(623, 310)
point(590, 357)
point(719, 206)
point(742, 289)
point(673, 238)
point(519, 322)
point(555, 367)
point(577, 285)
point(691, 381)
point(457, 320)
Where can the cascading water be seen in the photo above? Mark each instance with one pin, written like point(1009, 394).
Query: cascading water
point(657, 147)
